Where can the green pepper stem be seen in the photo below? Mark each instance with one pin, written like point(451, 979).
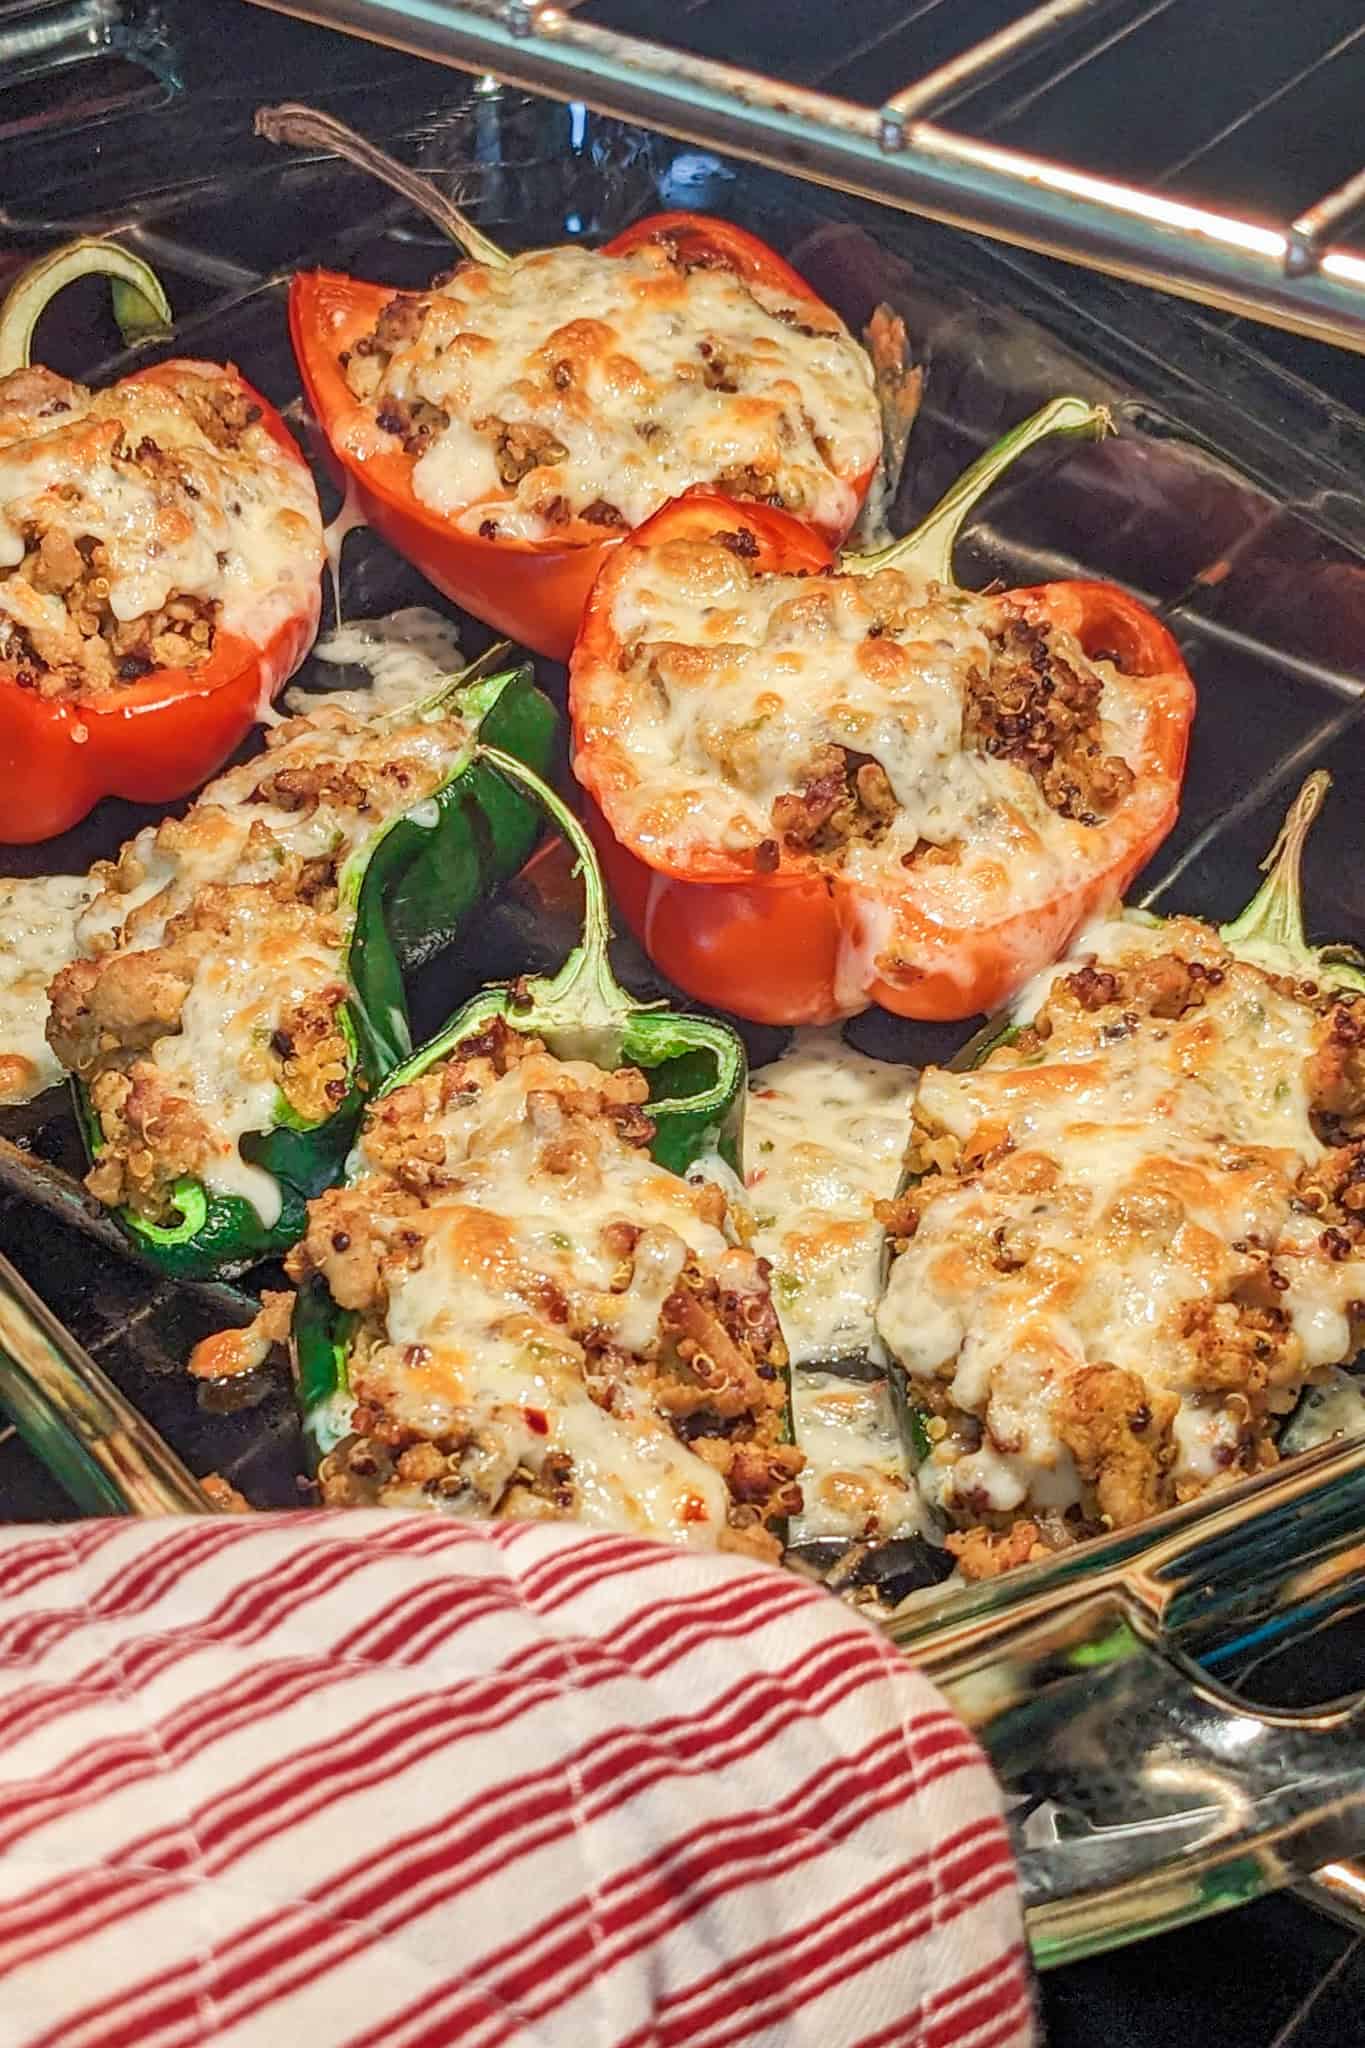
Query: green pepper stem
point(140, 304)
point(1271, 927)
point(493, 661)
point(927, 552)
point(308, 128)
point(584, 994)
point(1274, 916)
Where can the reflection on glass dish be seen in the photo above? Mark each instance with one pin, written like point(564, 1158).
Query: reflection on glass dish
point(67, 63)
point(544, 169)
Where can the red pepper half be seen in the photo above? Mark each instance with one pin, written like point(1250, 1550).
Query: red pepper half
point(805, 943)
point(534, 591)
point(160, 737)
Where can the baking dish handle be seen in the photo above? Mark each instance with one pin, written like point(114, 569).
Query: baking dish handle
point(1150, 1794)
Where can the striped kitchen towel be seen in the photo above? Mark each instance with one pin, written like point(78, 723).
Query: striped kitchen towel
point(365, 1778)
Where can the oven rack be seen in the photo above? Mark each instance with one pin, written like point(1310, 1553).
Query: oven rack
point(902, 150)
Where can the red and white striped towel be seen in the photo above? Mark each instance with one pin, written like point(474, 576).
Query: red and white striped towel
point(368, 1779)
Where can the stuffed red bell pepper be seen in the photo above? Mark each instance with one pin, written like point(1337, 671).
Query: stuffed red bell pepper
point(160, 564)
point(506, 428)
point(824, 785)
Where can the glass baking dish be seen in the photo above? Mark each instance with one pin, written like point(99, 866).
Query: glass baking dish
point(1148, 1793)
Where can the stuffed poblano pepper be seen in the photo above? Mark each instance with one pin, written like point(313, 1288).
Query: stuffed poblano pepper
point(238, 985)
point(516, 1306)
point(1134, 1229)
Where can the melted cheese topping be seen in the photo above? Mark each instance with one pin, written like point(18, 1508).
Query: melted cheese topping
point(37, 937)
point(236, 832)
point(737, 683)
point(857, 1483)
point(1123, 1194)
point(622, 380)
point(237, 526)
point(469, 1350)
point(824, 1135)
point(825, 1130)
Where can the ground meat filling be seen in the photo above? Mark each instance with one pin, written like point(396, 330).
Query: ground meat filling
point(1225, 1209)
point(87, 646)
point(367, 359)
point(846, 796)
point(222, 410)
point(95, 650)
point(704, 1363)
point(984, 1553)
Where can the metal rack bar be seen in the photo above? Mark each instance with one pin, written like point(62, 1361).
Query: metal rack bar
point(1281, 92)
point(984, 60)
point(1148, 11)
point(1311, 229)
point(1237, 265)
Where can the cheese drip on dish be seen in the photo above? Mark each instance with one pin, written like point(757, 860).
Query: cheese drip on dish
point(1137, 1233)
point(139, 523)
point(825, 1131)
point(550, 1325)
point(204, 999)
point(405, 655)
point(571, 394)
point(924, 744)
point(37, 937)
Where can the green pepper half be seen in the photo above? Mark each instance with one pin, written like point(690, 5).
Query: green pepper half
point(410, 890)
point(696, 1068)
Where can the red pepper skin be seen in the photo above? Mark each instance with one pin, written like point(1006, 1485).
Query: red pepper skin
point(152, 740)
point(703, 237)
point(533, 591)
point(798, 946)
point(765, 950)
